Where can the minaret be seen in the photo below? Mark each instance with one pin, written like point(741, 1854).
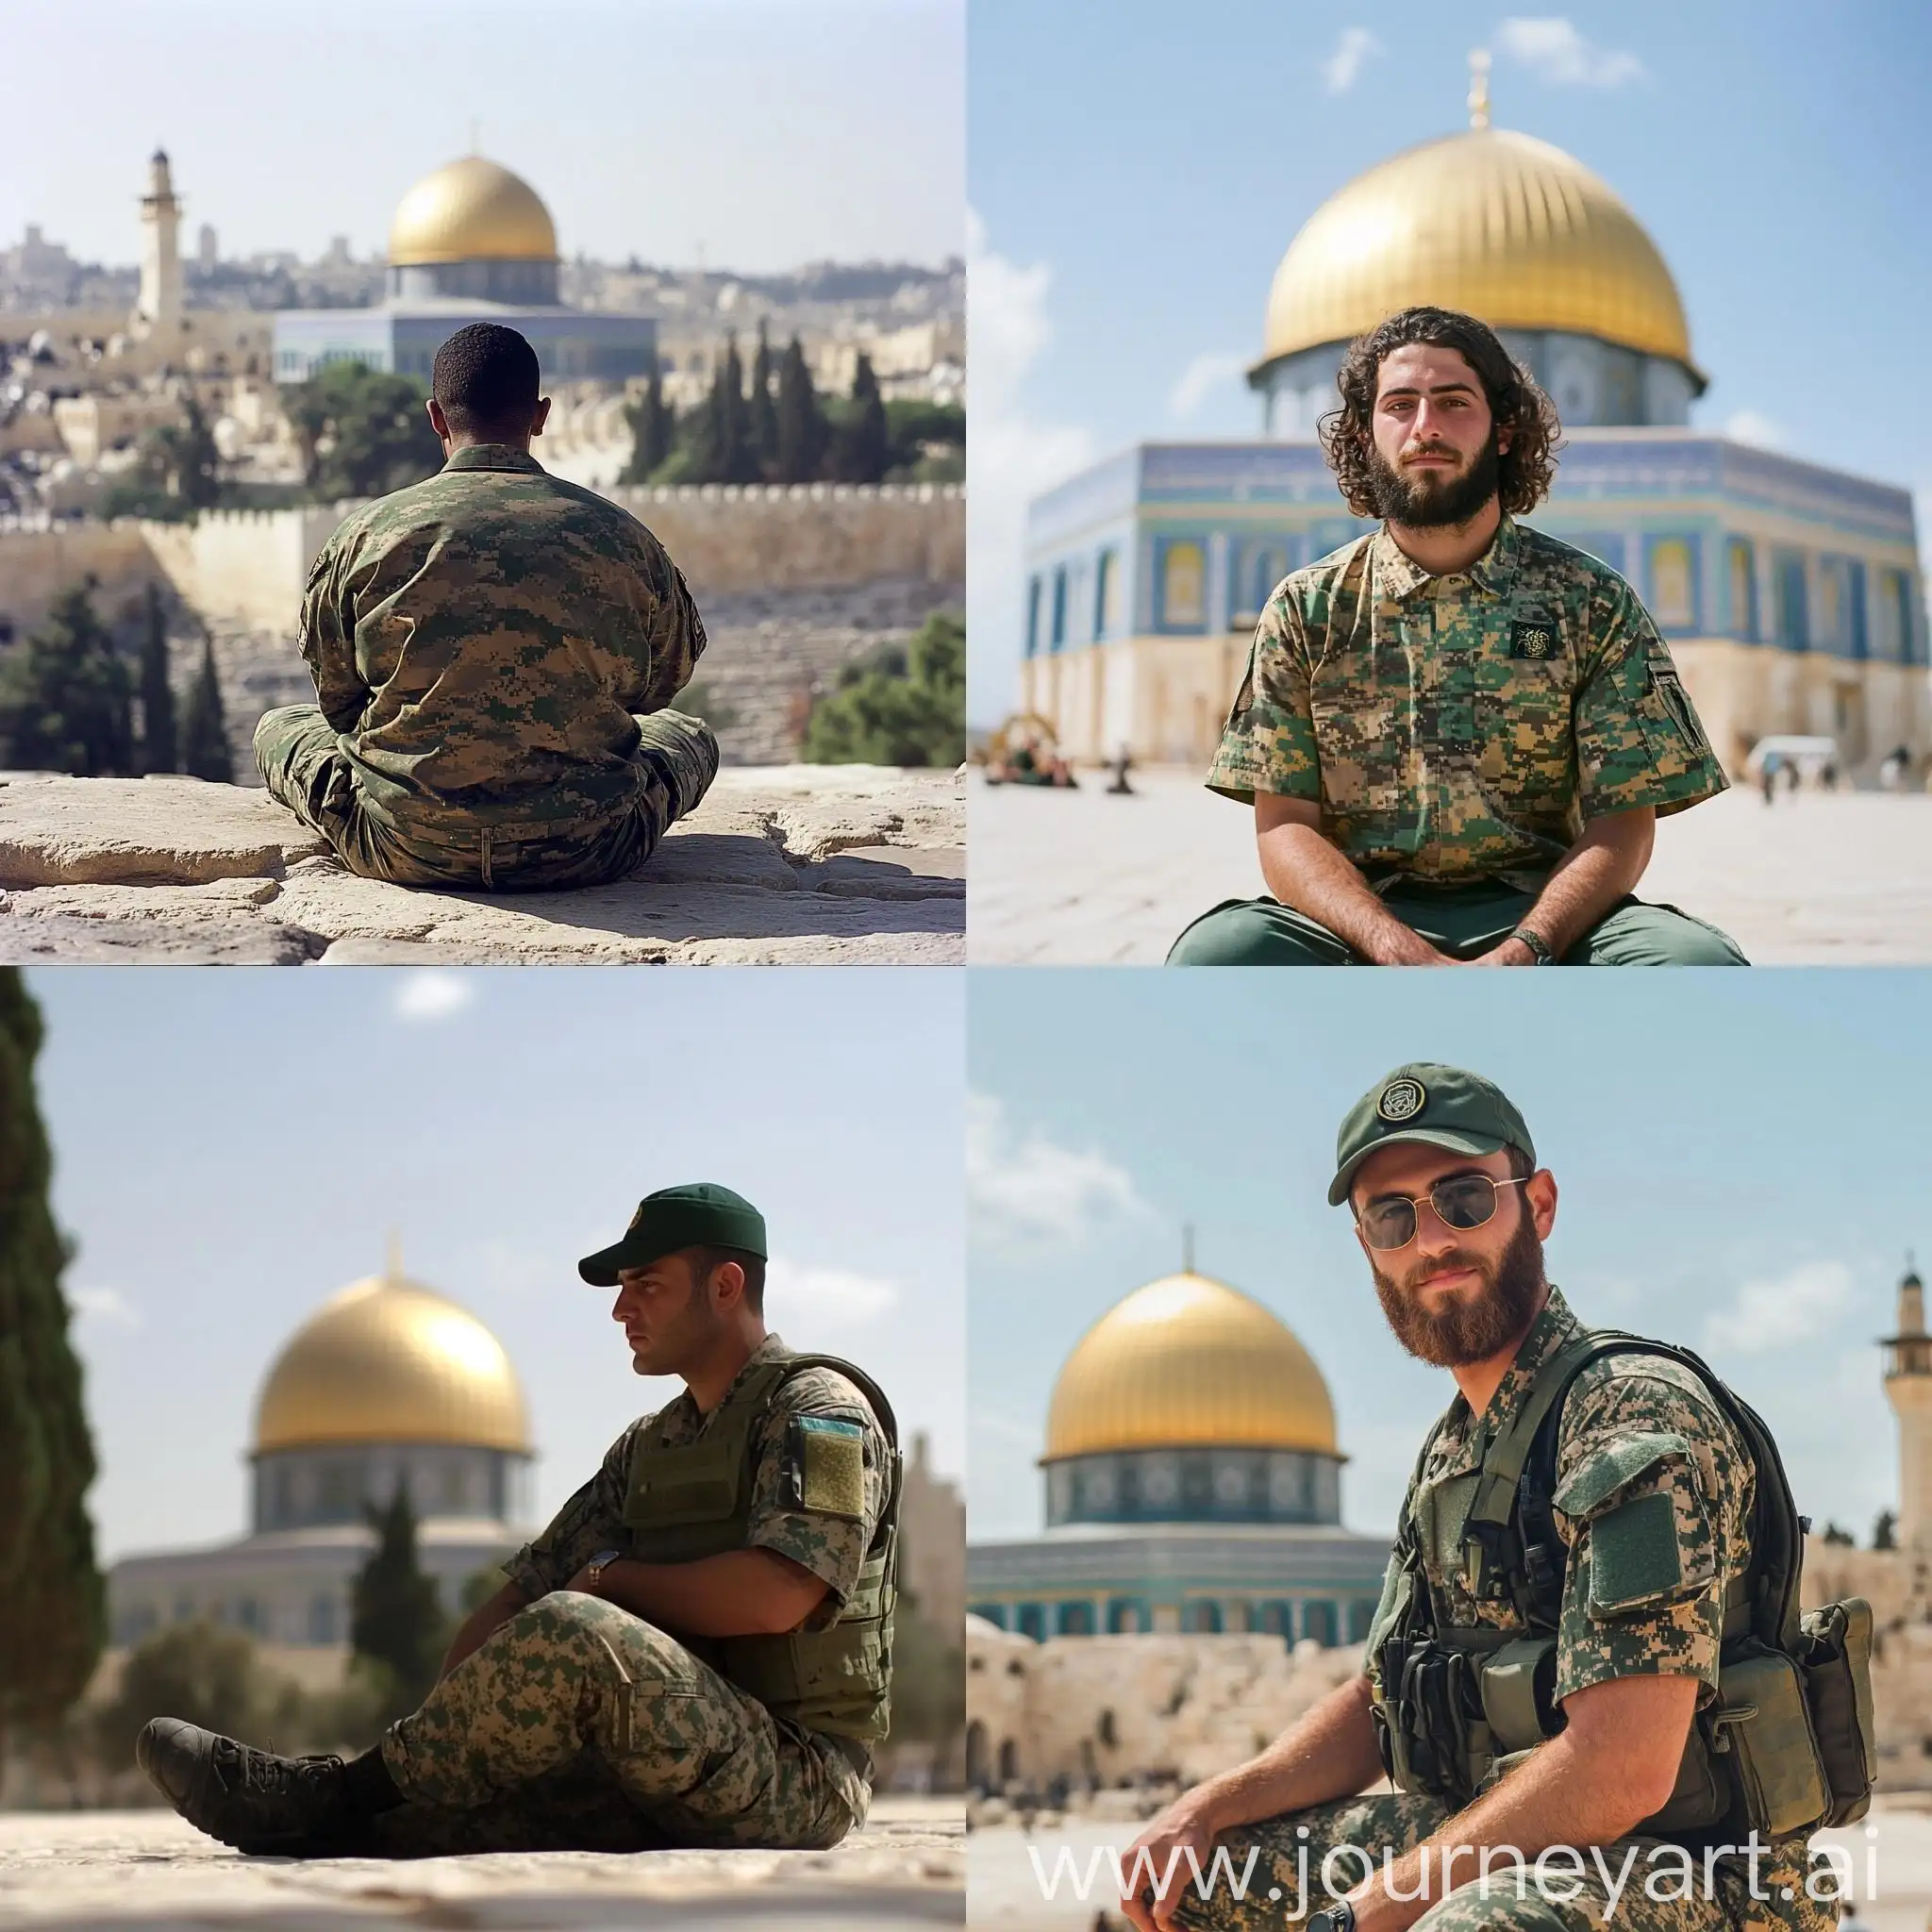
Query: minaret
point(158, 310)
point(1908, 1388)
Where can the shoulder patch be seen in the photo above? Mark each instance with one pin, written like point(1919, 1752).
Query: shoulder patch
point(827, 1466)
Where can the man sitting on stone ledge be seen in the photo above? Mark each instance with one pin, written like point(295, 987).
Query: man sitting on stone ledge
point(495, 650)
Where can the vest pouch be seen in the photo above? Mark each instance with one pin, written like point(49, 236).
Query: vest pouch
point(1517, 1682)
point(1703, 1795)
point(830, 1680)
point(1837, 1685)
point(686, 1503)
point(1764, 1721)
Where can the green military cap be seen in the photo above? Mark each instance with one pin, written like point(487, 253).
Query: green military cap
point(700, 1214)
point(1440, 1107)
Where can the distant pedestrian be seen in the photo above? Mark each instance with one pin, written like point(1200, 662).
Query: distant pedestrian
point(1767, 777)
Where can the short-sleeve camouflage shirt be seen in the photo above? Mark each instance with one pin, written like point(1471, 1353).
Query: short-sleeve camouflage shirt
point(480, 643)
point(1463, 727)
point(1631, 1425)
point(831, 1547)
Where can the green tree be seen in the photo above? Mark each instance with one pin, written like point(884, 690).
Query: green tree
point(653, 432)
point(1885, 1531)
point(902, 706)
point(205, 752)
point(801, 426)
point(928, 1681)
point(396, 1626)
point(361, 432)
point(723, 453)
point(66, 700)
point(52, 1607)
point(159, 750)
point(1833, 1533)
point(199, 1671)
point(764, 408)
point(176, 475)
point(928, 441)
point(863, 447)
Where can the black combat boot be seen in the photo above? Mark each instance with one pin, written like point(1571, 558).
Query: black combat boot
point(250, 1799)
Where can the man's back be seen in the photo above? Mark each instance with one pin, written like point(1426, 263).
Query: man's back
point(481, 641)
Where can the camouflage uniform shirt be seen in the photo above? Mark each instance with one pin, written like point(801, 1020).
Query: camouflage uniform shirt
point(1706, 1470)
point(481, 641)
point(832, 1548)
point(1463, 727)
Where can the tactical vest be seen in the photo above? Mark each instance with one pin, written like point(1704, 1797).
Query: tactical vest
point(694, 1501)
point(1787, 1744)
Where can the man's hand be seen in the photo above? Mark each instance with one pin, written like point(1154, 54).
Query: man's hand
point(1158, 1860)
point(1512, 952)
point(1310, 876)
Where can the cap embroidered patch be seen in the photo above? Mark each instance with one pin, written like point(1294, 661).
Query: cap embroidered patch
point(1536, 640)
point(1402, 1100)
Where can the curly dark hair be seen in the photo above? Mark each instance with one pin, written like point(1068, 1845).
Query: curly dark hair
point(1516, 404)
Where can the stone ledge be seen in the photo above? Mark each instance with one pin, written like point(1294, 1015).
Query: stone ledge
point(124, 1869)
point(781, 864)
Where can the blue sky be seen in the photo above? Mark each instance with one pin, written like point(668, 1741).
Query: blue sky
point(1741, 1166)
point(1136, 170)
point(232, 1146)
point(760, 133)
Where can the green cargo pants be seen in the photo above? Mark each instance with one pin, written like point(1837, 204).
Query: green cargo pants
point(1465, 921)
point(302, 763)
point(579, 1727)
point(1570, 1896)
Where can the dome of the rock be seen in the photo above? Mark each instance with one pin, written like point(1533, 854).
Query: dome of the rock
point(471, 210)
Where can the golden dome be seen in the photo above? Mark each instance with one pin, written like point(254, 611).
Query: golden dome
point(388, 1360)
point(472, 211)
point(1187, 1361)
point(1489, 221)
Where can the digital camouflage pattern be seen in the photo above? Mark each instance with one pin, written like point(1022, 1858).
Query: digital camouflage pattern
point(1402, 1822)
point(578, 1725)
point(1465, 726)
point(483, 645)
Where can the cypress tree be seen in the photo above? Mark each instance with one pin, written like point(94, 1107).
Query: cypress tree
point(864, 451)
point(52, 1605)
point(396, 1623)
point(654, 429)
point(764, 412)
point(158, 748)
point(204, 732)
point(66, 701)
point(737, 462)
point(801, 426)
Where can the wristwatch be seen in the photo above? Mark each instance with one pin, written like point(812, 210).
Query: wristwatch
point(1538, 946)
point(1337, 1916)
point(594, 1568)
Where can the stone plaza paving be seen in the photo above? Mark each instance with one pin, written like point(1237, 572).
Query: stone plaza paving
point(1084, 878)
point(148, 1870)
point(800, 864)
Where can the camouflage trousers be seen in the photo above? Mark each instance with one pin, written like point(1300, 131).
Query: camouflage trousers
point(578, 1726)
point(302, 763)
point(1465, 921)
point(1633, 1884)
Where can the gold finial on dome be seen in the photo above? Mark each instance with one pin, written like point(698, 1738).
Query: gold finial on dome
point(393, 1261)
point(1479, 88)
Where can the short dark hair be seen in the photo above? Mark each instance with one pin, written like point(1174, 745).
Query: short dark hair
point(1520, 1165)
point(705, 1262)
point(1516, 404)
point(485, 380)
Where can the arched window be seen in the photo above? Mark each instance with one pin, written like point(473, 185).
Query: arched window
point(1317, 1621)
point(1670, 600)
point(1793, 614)
point(1059, 607)
point(1743, 589)
point(1183, 586)
point(1123, 1617)
point(1030, 1621)
point(1203, 1619)
point(1032, 616)
point(1362, 1613)
point(978, 1756)
point(1105, 575)
point(1076, 1620)
point(1009, 1761)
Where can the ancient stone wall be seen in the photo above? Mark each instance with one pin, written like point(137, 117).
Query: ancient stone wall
point(36, 565)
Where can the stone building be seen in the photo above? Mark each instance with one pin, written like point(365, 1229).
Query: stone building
point(469, 242)
point(388, 1383)
point(1790, 592)
point(1193, 1483)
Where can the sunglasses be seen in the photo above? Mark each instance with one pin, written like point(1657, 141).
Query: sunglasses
point(1464, 1200)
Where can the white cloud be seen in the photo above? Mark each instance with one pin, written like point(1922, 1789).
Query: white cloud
point(106, 1306)
point(1554, 50)
point(1201, 378)
point(831, 1292)
point(1342, 67)
point(432, 992)
point(1782, 1311)
point(1012, 458)
point(1755, 426)
point(1022, 1187)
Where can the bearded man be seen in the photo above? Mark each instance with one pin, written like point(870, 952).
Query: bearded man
point(1594, 1523)
point(1458, 734)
